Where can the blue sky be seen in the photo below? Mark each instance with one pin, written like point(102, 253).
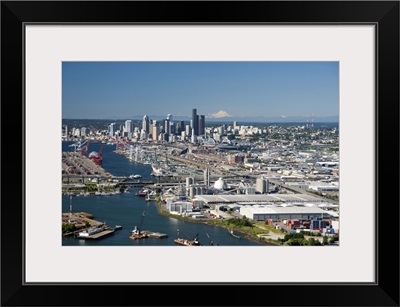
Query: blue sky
point(122, 90)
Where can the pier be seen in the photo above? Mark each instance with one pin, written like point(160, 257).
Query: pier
point(98, 235)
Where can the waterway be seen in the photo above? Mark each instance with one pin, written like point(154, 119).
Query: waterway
point(126, 209)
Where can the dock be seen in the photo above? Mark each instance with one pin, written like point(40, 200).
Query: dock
point(98, 235)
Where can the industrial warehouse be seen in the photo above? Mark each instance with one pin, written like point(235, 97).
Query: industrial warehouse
point(259, 207)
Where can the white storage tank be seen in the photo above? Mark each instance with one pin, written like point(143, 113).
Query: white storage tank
point(220, 184)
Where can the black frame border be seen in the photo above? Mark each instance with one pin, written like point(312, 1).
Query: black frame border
point(383, 14)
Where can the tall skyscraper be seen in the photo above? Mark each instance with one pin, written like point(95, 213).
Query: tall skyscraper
point(128, 126)
point(167, 127)
point(182, 125)
point(66, 131)
point(112, 129)
point(202, 125)
point(146, 124)
point(195, 122)
point(156, 130)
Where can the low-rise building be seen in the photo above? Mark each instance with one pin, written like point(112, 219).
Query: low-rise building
point(266, 212)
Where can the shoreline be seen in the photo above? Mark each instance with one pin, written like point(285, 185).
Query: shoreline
point(244, 234)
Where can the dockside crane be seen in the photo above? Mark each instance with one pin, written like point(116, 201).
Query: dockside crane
point(79, 146)
point(137, 231)
point(84, 150)
point(97, 156)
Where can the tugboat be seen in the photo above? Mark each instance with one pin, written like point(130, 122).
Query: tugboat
point(137, 234)
point(143, 193)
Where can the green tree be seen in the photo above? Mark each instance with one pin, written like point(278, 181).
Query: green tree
point(68, 227)
point(333, 239)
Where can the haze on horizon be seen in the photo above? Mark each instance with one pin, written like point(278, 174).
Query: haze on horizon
point(124, 90)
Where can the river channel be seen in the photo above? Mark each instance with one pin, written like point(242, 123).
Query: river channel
point(126, 209)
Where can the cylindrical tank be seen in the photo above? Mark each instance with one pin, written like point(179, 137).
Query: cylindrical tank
point(192, 191)
point(220, 184)
point(189, 181)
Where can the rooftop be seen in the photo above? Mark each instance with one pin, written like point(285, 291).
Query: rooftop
point(258, 198)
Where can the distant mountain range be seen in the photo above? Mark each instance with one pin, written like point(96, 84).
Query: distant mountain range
point(217, 118)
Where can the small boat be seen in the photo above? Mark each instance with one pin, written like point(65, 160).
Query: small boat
point(135, 176)
point(143, 192)
point(117, 227)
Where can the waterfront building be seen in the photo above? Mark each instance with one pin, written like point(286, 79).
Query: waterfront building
point(84, 131)
point(77, 132)
point(210, 200)
point(266, 212)
point(112, 129)
point(66, 131)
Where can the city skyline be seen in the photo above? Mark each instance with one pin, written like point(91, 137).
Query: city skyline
point(223, 90)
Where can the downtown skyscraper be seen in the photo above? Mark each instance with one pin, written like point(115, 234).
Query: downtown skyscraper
point(195, 122)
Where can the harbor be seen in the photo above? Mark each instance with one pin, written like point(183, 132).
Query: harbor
point(125, 209)
point(197, 197)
